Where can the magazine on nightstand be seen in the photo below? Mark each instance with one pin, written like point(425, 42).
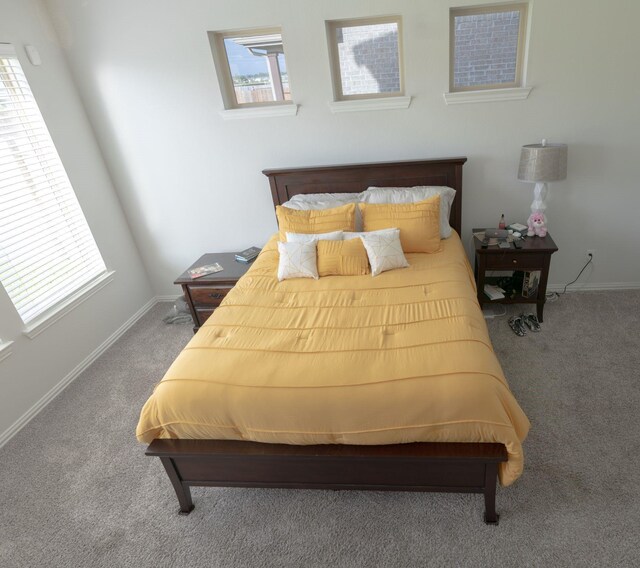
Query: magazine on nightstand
point(204, 270)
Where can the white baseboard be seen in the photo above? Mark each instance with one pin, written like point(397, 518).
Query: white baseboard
point(74, 374)
point(168, 298)
point(603, 286)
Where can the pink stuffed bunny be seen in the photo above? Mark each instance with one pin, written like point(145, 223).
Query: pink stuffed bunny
point(537, 224)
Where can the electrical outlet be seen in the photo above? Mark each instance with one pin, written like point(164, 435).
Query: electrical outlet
point(591, 252)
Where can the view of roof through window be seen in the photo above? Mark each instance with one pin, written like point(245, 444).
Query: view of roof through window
point(258, 68)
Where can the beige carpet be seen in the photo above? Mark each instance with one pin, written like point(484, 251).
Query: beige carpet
point(77, 491)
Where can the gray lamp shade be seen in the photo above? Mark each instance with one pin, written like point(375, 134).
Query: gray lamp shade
point(543, 162)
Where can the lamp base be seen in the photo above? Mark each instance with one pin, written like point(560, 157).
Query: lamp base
point(539, 195)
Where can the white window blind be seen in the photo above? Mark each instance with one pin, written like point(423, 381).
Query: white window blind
point(47, 251)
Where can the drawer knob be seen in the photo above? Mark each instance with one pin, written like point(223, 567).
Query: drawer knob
point(515, 261)
point(216, 295)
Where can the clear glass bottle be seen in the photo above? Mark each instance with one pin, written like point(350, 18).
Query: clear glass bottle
point(502, 224)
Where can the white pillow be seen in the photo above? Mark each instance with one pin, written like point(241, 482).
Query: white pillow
point(384, 250)
point(348, 235)
point(303, 238)
point(336, 199)
point(413, 194)
point(316, 201)
point(297, 260)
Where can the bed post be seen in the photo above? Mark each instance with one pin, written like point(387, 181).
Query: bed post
point(182, 489)
point(490, 480)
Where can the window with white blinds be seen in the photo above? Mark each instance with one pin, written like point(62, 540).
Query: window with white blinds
point(47, 251)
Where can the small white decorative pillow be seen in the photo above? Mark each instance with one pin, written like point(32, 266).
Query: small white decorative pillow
point(297, 260)
point(384, 250)
point(304, 238)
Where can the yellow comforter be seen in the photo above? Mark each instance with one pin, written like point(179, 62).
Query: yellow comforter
point(402, 357)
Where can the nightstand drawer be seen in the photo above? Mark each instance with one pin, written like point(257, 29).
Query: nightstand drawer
point(207, 295)
point(203, 314)
point(508, 261)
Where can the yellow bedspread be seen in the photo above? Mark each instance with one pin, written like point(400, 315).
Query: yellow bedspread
point(402, 357)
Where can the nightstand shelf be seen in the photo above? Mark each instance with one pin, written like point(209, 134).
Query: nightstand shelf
point(535, 254)
point(204, 295)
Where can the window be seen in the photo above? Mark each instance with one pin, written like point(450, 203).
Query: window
point(47, 252)
point(366, 58)
point(251, 67)
point(487, 47)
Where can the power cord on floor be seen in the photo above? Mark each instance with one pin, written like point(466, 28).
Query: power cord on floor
point(488, 315)
point(553, 296)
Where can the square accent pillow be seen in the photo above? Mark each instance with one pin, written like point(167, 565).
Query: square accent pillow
point(419, 223)
point(304, 238)
point(305, 201)
point(315, 221)
point(384, 251)
point(413, 194)
point(342, 258)
point(297, 260)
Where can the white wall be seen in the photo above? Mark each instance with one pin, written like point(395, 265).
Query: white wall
point(37, 365)
point(190, 182)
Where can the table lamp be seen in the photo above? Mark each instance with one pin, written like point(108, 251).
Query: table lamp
point(541, 163)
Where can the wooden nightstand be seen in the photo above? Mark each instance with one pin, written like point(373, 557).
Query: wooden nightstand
point(535, 254)
point(203, 295)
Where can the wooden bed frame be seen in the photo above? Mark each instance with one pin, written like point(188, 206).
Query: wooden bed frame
point(442, 467)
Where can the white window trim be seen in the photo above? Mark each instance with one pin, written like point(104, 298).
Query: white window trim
point(225, 79)
point(5, 349)
point(46, 151)
point(357, 105)
point(38, 325)
point(487, 95)
point(288, 109)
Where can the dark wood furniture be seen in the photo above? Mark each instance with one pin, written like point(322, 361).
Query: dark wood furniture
point(535, 254)
point(203, 295)
point(446, 467)
point(442, 467)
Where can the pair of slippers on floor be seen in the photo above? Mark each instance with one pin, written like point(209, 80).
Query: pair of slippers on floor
point(518, 323)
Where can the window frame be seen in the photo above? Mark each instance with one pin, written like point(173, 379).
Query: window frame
point(334, 56)
point(223, 69)
point(42, 318)
point(523, 8)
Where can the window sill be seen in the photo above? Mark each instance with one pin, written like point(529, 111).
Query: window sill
point(357, 105)
point(490, 95)
point(5, 349)
point(260, 112)
point(37, 326)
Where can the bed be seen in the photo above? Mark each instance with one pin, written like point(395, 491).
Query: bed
point(386, 383)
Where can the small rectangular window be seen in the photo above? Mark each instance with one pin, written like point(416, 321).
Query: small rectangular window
point(366, 57)
point(487, 47)
point(47, 251)
point(251, 67)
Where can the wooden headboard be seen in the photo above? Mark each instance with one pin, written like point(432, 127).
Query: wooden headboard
point(354, 178)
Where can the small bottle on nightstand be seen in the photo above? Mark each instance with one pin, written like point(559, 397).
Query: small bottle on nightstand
point(502, 224)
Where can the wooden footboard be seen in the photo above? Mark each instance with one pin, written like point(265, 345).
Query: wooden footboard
point(440, 467)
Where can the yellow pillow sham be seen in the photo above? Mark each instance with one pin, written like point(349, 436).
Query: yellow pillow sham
point(315, 220)
point(419, 222)
point(342, 258)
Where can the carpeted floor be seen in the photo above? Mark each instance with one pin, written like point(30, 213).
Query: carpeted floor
point(77, 491)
